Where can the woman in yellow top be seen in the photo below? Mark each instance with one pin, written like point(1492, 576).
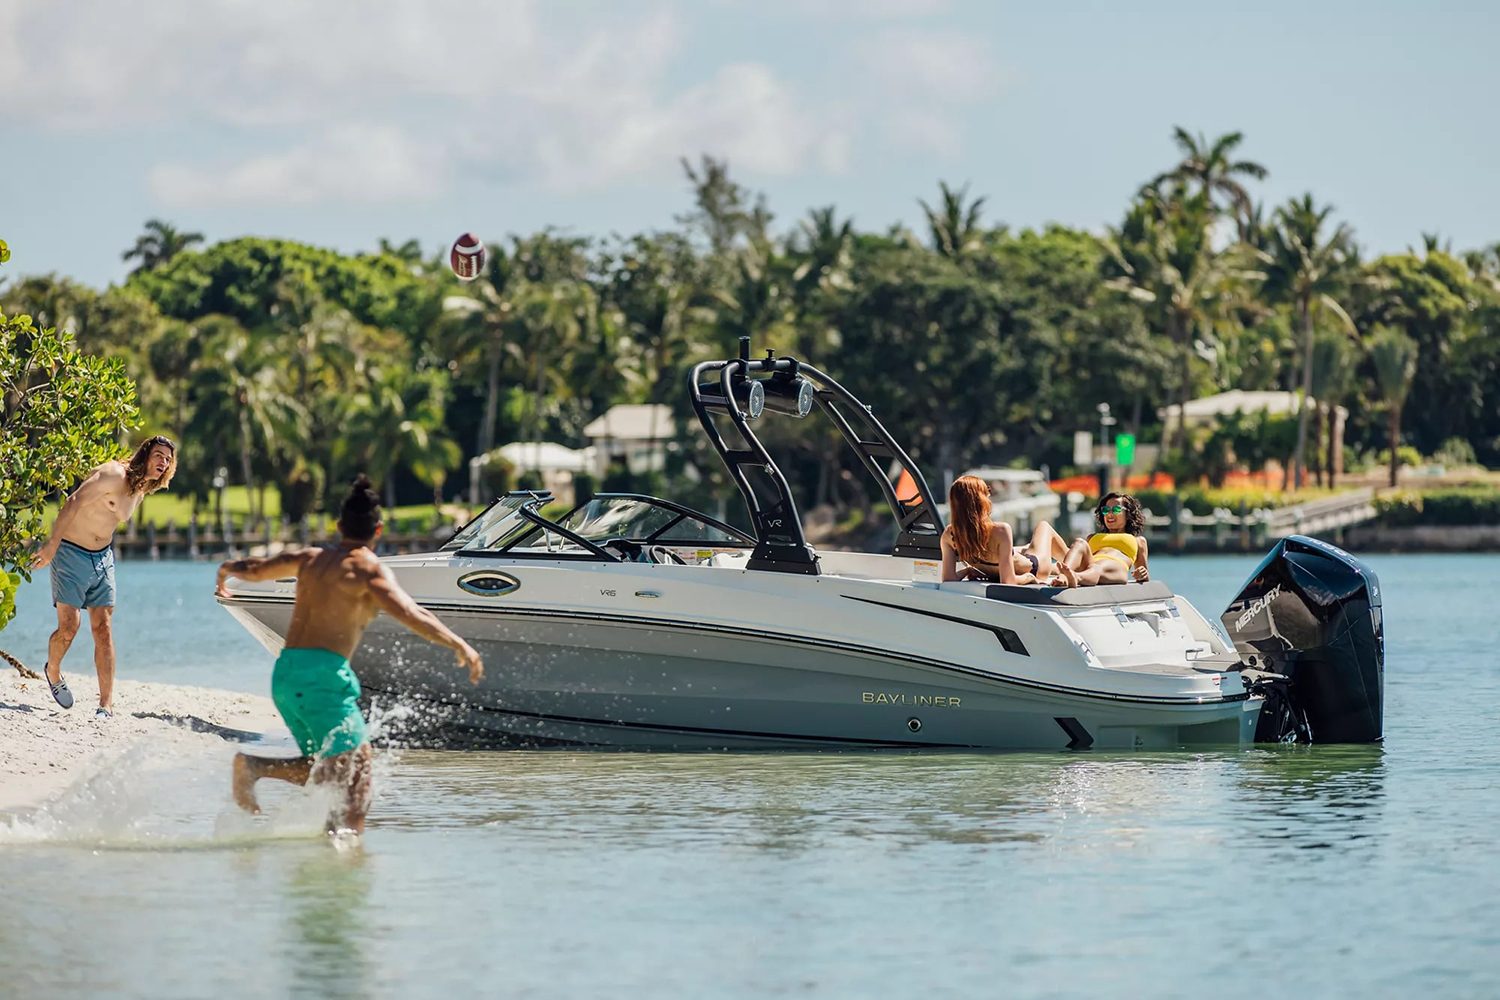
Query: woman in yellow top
point(1115, 553)
point(986, 547)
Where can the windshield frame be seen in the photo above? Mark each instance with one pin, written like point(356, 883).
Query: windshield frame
point(530, 510)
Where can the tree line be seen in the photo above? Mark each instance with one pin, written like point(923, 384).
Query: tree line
point(285, 363)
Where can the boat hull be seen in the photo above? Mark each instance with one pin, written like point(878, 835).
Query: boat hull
point(555, 678)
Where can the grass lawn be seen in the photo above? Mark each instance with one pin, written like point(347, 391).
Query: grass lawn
point(167, 507)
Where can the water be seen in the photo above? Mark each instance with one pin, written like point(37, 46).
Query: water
point(1322, 871)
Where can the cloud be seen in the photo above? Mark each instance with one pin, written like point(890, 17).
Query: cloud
point(393, 99)
point(942, 66)
point(350, 164)
point(917, 84)
point(858, 10)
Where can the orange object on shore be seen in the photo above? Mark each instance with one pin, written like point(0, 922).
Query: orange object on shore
point(1089, 485)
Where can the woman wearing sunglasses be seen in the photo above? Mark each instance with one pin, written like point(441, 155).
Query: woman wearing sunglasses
point(1114, 553)
point(986, 547)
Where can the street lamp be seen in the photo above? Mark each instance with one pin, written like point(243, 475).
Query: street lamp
point(1105, 422)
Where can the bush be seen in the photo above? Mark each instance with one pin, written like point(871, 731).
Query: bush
point(1202, 500)
point(1405, 455)
point(1455, 452)
point(1454, 506)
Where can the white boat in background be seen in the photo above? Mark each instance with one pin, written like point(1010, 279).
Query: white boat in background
point(633, 621)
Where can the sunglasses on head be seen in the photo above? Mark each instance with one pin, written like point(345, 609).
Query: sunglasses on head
point(1116, 509)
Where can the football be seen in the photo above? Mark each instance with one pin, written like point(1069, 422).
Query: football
point(467, 257)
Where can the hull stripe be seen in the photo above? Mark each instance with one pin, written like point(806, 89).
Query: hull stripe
point(676, 625)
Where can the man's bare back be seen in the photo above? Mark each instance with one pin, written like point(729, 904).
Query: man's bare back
point(334, 600)
point(339, 592)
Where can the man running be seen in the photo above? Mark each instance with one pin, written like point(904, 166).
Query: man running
point(339, 592)
point(80, 550)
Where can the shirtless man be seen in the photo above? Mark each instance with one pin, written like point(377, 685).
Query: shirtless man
point(80, 551)
point(339, 592)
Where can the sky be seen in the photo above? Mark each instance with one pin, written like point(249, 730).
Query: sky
point(338, 123)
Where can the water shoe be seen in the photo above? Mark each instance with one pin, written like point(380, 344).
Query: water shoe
point(60, 692)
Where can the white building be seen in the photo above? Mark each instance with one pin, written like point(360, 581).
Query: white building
point(1205, 411)
point(637, 433)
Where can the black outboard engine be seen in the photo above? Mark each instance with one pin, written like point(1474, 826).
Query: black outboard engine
point(1307, 626)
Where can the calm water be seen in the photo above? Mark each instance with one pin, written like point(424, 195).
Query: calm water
point(1318, 872)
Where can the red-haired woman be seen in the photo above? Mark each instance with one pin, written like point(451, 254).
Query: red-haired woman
point(987, 547)
point(1115, 553)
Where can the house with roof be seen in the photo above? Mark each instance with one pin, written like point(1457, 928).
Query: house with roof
point(1207, 410)
point(638, 434)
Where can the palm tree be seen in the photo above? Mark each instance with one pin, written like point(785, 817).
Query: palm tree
point(821, 249)
point(475, 327)
point(550, 319)
point(1394, 355)
point(159, 244)
point(1211, 168)
point(1308, 270)
point(953, 225)
point(240, 401)
point(396, 421)
point(653, 287)
point(1163, 258)
point(1333, 366)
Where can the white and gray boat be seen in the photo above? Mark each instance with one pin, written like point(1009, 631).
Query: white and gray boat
point(634, 622)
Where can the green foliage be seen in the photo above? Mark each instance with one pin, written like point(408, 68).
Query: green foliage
point(1203, 500)
point(62, 413)
point(1455, 452)
point(297, 366)
point(8, 584)
point(1466, 505)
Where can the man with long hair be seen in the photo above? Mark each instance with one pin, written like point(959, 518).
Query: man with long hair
point(80, 550)
point(339, 592)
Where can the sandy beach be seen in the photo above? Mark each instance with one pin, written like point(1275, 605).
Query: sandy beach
point(43, 747)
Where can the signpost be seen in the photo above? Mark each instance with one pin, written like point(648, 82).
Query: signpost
point(1124, 449)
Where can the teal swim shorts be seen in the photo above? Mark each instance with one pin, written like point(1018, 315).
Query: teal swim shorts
point(316, 692)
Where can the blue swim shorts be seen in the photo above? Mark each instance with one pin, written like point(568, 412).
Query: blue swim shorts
point(83, 578)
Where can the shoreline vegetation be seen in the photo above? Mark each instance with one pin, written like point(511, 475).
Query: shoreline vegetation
point(276, 362)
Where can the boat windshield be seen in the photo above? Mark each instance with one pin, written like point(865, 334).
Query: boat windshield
point(646, 519)
point(501, 524)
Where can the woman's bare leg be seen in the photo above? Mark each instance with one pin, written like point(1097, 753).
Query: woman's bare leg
point(1048, 547)
point(1102, 571)
point(1079, 557)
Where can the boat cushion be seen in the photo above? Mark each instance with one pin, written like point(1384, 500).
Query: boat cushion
point(1104, 594)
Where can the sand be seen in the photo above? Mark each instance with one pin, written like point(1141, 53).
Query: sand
point(43, 748)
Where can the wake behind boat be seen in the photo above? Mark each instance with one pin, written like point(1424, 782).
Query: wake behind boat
point(632, 621)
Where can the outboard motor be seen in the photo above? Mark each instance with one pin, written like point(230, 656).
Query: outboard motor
point(1307, 625)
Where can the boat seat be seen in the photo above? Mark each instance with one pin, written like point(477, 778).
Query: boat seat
point(1086, 597)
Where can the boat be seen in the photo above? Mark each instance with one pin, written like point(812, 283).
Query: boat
point(632, 621)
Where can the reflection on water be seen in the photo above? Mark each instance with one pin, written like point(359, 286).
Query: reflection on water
point(328, 936)
point(1312, 797)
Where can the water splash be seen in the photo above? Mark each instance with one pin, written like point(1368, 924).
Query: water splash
point(169, 792)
